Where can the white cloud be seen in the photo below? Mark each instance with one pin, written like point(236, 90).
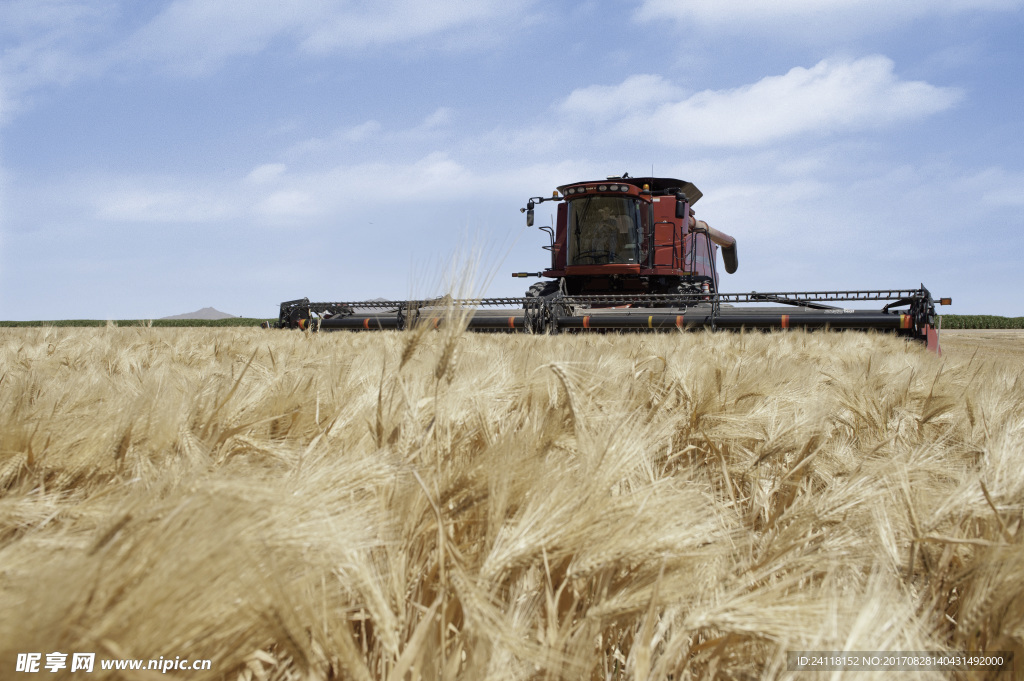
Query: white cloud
point(331, 191)
point(338, 141)
point(144, 204)
point(998, 188)
point(48, 41)
point(770, 16)
point(288, 204)
point(371, 139)
point(603, 101)
point(440, 118)
point(268, 172)
point(1007, 196)
point(830, 97)
point(274, 194)
point(356, 133)
point(833, 97)
point(57, 41)
point(194, 36)
point(395, 21)
point(46, 17)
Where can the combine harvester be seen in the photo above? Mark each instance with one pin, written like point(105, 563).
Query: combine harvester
point(628, 254)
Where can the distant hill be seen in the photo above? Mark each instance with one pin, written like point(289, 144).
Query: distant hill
point(205, 313)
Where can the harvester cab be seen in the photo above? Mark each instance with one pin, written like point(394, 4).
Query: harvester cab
point(629, 254)
point(628, 235)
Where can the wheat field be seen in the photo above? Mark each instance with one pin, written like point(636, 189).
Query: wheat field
point(440, 505)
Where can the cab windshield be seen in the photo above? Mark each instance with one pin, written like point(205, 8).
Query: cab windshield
point(603, 229)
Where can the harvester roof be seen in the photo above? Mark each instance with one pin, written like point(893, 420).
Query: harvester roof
point(657, 185)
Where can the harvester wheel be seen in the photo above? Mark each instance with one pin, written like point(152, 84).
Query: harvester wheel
point(536, 313)
point(542, 289)
point(688, 289)
point(683, 288)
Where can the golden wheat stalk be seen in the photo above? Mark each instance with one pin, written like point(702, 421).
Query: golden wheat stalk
point(424, 505)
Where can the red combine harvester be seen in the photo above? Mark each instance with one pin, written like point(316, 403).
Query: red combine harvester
point(629, 254)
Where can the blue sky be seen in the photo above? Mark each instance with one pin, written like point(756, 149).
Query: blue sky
point(156, 158)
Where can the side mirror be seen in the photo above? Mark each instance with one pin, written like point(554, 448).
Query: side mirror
point(681, 213)
point(529, 214)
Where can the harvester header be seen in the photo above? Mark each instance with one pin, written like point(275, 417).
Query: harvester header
point(630, 254)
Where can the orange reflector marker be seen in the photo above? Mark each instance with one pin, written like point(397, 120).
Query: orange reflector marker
point(679, 321)
point(366, 323)
point(586, 322)
point(945, 301)
point(785, 321)
point(511, 322)
point(435, 320)
point(302, 324)
point(904, 321)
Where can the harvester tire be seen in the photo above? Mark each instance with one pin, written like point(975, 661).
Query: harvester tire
point(542, 289)
point(684, 288)
point(536, 315)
